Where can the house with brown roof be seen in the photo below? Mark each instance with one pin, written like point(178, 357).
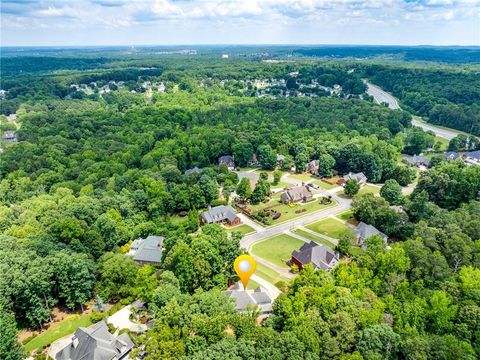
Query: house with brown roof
point(296, 194)
point(321, 257)
point(228, 161)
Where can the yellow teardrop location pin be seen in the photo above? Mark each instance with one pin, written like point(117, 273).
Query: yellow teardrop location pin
point(245, 266)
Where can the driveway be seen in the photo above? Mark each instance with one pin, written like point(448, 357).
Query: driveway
point(121, 320)
point(271, 289)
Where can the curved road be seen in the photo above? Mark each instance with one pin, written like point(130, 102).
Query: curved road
point(382, 96)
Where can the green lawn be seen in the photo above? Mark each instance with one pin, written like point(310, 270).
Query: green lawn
point(252, 285)
point(346, 215)
point(367, 189)
point(314, 238)
point(290, 212)
point(268, 274)
point(301, 177)
point(444, 143)
point(58, 330)
point(325, 185)
point(329, 227)
point(242, 229)
point(356, 250)
point(280, 185)
point(277, 250)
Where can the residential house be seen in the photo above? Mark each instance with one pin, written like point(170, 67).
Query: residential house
point(248, 299)
point(451, 155)
point(280, 159)
point(366, 231)
point(10, 136)
point(296, 194)
point(359, 177)
point(419, 161)
point(147, 251)
point(312, 167)
point(321, 257)
point(253, 160)
point(220, 214)
point(194, 170)
point(471, 157)
point(228, 161)
point(96, 343)
point(12, 117)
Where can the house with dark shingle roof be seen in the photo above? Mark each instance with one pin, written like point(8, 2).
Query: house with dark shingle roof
point(194, 170)
point(312, 167)
point(358, 177)
point(96, 343)
point(451, 155)
point(245, 299)
point(366, 231)
point(10, 136)
point(220, 214)
point(472, 157)
point(321, 257)
point(296, 194)
point(418, 161)
point(147, 251)
point(228, 161)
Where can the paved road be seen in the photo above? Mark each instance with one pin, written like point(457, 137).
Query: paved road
point(381, 96)
point(440, 132)
point(249, 240)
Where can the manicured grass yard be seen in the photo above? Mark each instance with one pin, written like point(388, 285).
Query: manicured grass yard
point(268, 274)
point(346, 215)
point(277, 250)
point(290, 212)
point(314, 238)
point(242, 229)
point(329, 227)
point(280, 185)
point(301, 177)
point(58, 330)
point(325, 185)
point(367, 189)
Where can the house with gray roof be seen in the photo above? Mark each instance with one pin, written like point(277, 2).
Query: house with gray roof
point(296, 194)
point(418, 161)
point(312, 167)
point(321, 257)
point(10, 136)
point(228, 161)
point(366, 231)
point(451, 155)
point(358, 177)
point(96, 343)
point(194, 170)
point(472, 157)
point(248, 299)
point(147, 251)
point(220, 214)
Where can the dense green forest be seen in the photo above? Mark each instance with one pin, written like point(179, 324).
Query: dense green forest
point(446, 96)
point(94, 169)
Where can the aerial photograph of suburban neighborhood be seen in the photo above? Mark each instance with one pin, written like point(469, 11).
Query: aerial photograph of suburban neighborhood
point(240, 179)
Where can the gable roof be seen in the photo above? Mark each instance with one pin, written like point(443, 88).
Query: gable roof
point(451, 155)
point(95, 343)
point(473, 154)
point(418, 160)
point(245, 298)
point(149, 249)
point(359, 177)
point(296, 193)
point(219, 213)
point(312, 253)
point(226, 159)
point(366, 231)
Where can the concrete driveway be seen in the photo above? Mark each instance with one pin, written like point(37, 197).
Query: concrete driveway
point(121, 320)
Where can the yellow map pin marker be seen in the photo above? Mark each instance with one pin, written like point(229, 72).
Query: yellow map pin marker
point(245, 266)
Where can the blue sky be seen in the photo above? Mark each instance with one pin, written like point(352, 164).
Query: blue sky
point(168, 22)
